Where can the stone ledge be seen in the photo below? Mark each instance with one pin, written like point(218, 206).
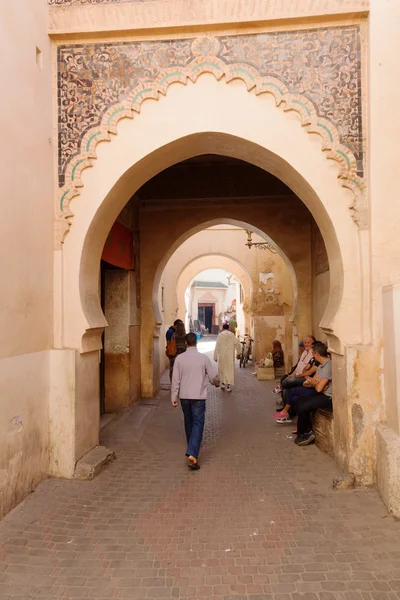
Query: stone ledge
point(92, 463)
point(174, 14)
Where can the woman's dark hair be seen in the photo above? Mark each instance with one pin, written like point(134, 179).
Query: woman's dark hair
point(320, 348)
point(191, 339)
point(180, 329)
point(177, 321)
point(225, 326)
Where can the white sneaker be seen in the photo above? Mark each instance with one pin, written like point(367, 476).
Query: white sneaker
point(222, 386)
point(228, 388)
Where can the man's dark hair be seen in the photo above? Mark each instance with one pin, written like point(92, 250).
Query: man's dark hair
point(191, 339)
point(225, 326)
point(320, 348)
point(177, 321)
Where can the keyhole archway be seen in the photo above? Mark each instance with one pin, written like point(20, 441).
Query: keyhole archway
point(180, 126)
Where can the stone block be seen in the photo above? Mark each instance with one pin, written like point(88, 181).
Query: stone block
point(388, 467)
point(92, 463)
point(344, 482)
point(323, 431)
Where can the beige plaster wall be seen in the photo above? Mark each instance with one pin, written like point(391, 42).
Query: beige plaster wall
point(321, 281)
point(175, 14)
point(26, 245)
point(320, 295)
point(384, 129)
point(24, 422)
point(87, 410)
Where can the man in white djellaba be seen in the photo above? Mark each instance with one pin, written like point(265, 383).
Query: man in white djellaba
point(227, 347)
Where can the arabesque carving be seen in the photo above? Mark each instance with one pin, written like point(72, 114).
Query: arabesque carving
point(205, 60)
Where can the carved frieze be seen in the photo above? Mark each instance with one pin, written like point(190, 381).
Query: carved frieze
point(316, 72)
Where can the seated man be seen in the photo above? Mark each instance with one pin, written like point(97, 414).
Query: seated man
point(303, 369)
point(321, 398)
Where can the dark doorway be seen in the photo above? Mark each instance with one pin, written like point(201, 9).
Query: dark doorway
point(209, 313)
point(206, 315)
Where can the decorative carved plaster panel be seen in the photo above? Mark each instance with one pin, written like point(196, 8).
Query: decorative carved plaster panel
point(315, 72)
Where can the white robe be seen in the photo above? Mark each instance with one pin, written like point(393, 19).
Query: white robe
point(225, 351)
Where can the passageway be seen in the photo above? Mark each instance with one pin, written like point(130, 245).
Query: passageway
point(259, 520)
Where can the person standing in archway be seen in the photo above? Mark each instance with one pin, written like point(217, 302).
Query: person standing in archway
point(176, 343)
point(227, 347)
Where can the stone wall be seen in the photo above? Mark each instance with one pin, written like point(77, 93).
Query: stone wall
point(320, 281)
point(26, 249)
point(269, 286)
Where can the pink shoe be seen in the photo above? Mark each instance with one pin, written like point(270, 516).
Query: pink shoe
point(280, 415)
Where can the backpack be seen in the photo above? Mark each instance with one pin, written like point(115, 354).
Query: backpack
point(171, 347)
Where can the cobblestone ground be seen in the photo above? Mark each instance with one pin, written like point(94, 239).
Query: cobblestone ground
point(258, 521)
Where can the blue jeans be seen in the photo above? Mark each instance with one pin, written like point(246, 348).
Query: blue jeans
point(194, 412)
point(295, 395)
point(287, 384)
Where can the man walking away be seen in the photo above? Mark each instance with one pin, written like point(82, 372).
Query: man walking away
point(191, 374)
point(227, 347)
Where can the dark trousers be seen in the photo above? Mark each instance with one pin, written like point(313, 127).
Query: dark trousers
point(308, 406)
point(194, 414)
point(296, 395)
point(287, 384)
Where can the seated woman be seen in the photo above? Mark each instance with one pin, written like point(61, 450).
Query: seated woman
point(277, 354)
point(294, 394)
point(304, 368)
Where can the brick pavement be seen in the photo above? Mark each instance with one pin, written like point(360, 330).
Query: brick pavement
point(258, 521)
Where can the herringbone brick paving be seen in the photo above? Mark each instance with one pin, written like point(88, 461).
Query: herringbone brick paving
point(258, 521)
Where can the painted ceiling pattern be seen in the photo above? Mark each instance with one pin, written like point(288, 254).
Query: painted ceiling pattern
point(322, 65)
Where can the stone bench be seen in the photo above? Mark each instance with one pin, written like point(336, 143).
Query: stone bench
point(323, 431)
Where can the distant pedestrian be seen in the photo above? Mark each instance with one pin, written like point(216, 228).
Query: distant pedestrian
point(225, 351)
point(191, 374)
point(176, 343)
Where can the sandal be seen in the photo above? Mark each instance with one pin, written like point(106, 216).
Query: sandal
point(280, 415)
point(193, 466)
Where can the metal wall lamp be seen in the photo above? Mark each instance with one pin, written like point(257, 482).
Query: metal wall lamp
point(260, 245)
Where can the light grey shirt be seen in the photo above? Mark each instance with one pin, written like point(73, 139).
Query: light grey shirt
point(325, 372)
point(191, 374)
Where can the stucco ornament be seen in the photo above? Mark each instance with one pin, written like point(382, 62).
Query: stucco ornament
point(203, 55)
